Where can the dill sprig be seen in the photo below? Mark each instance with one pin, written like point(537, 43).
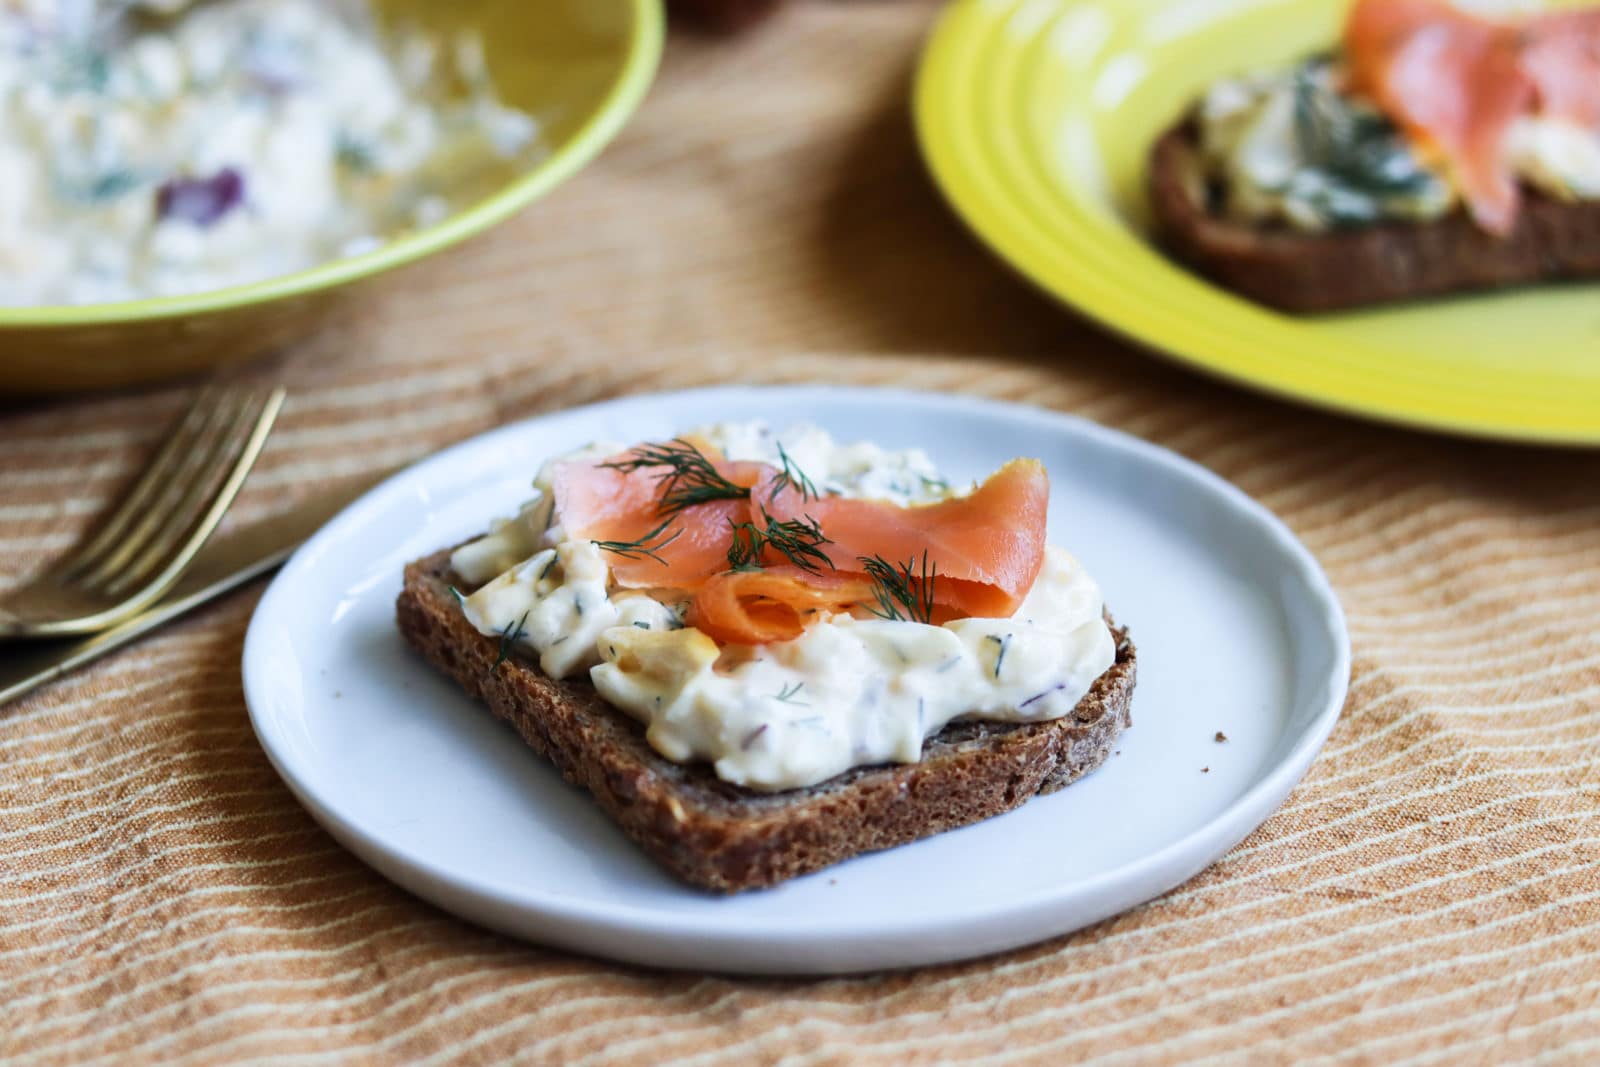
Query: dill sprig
point(744, 552)
point(510, 635)
point(903, 593)
point(791, 477)
point(787, 694)
point(1000, 657)
point(687, 476)
point(796, 540)
point(799, 541)
point(645, 547)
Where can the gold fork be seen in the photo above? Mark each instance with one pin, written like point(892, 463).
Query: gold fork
point(143, 547)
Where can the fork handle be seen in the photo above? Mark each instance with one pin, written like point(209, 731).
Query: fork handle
point(25, 666)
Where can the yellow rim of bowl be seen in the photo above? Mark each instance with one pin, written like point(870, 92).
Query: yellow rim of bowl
point(645, 44)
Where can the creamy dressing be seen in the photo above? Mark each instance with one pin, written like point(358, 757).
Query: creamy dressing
point(850, 691)
point(237, 141)
point(1288, 147)
point(1560, 159)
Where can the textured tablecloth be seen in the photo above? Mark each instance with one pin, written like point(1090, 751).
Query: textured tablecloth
point(1430, 894)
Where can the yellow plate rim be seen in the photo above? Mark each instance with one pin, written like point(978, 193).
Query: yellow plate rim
point(967, 26)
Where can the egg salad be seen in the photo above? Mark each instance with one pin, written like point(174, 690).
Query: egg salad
point(854, 688)
point(161, 148)
point(1290, 147)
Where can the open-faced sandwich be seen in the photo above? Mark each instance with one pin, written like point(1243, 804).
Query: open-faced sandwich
point(764, 656)
point(1436, 151)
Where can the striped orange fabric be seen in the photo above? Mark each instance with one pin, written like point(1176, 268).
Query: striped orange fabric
point(1430, 894)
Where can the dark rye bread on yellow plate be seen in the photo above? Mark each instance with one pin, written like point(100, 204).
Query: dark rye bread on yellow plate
point(1362, 266)
point(726, 838)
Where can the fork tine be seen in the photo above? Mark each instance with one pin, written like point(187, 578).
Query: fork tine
point(207, 459)
point(179, 475)
point(209, 494)
point(255, 439)
point(156, 475)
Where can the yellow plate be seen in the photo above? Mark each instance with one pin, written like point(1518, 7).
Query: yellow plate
point(579, 66)
point(1036, 117)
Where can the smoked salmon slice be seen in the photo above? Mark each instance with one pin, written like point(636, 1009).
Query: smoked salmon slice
point(608, 503)
point(1453, 82)
point(972, 555)
point(987, 546)
point(1561, 56)
point(771, 604)
point(1456, 83)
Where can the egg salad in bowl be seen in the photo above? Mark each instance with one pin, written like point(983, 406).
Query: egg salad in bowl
point(183, 182)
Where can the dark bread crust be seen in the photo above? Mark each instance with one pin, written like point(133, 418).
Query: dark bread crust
point(722, 837)
point(1385, 263)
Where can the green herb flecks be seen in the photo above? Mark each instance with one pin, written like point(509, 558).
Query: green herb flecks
point(113, 184)
point(355, 154)
point(82, 68)
point(510, 635)
point(791, 477)
point(1000, 657)
point(646, 547)
point(797, 540)
point(903, 592)
point(100, 188)
point(1358, 163)
point(461, 601)
point(1040, 696)
point(787, 695)
point(687, 477)
point(744, 551)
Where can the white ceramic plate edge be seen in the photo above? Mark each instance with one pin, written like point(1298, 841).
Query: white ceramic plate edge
point(640, 936)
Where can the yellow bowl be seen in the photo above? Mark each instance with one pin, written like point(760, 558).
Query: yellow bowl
point(579, 66)
point(1036, 117)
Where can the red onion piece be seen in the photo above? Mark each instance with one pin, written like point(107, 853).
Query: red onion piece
point(202, 201)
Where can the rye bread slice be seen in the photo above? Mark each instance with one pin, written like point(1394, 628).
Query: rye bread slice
point(725, 838)
point(1341, 269)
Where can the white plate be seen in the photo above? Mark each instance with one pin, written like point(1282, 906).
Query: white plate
point(1236, 627)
